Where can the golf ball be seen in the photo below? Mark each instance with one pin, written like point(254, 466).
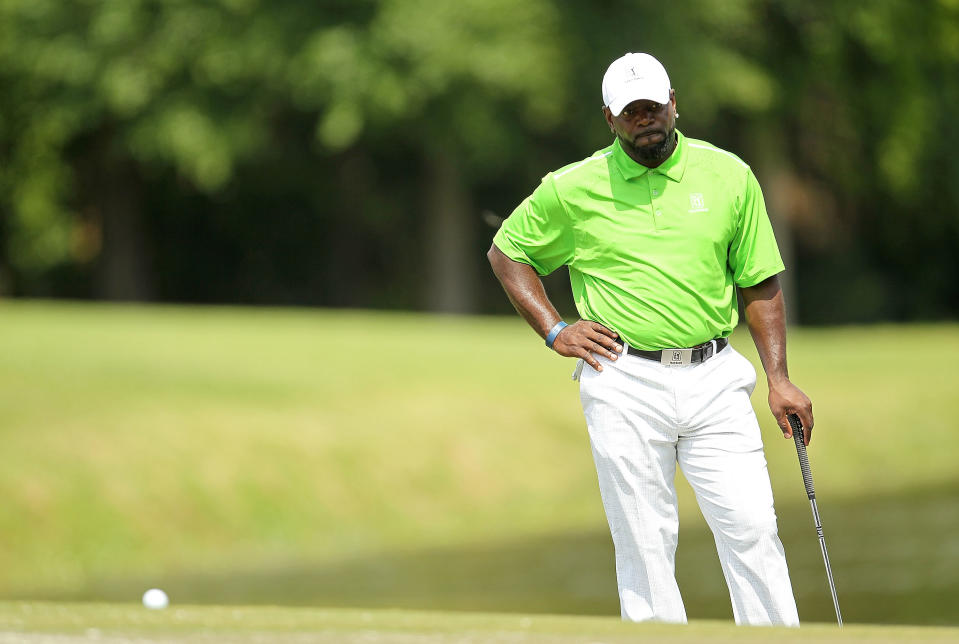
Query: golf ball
point(155, 599)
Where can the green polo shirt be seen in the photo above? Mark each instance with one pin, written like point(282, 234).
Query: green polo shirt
point(653, 253)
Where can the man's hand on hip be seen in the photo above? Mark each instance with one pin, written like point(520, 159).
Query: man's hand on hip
point(586, 339)
point(786, 398)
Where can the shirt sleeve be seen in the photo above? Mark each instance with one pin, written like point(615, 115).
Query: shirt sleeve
point(753, 252)
point(538, 232)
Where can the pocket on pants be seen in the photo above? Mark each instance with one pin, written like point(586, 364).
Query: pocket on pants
point(746, 370)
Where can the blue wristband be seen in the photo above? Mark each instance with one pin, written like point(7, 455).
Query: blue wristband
point(551, 336)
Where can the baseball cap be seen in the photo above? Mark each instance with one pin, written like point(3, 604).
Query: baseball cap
point(633, 77)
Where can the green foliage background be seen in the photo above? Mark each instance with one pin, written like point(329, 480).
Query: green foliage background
point(349, 153)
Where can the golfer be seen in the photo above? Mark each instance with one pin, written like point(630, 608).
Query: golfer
point(658, 231)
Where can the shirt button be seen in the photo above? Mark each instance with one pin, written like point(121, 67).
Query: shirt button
point(655, 192)
point(659, 212)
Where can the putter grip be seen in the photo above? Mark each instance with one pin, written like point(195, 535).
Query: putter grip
point(796, 425)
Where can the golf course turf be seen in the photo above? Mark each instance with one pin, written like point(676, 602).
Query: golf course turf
point(42, 623)
point(367, 460)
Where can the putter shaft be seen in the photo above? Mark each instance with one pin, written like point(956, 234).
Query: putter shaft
point(797, 428)
point(825, 558)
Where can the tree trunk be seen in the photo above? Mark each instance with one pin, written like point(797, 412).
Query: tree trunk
point(774, 174)
point(451, 258)
point(111, 192)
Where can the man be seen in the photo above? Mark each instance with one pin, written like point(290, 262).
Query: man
point(658, 231)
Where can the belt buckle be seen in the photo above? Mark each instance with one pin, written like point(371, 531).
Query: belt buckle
point(709, 350)
point(676, 357)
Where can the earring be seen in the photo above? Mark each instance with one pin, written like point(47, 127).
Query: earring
point(677, 115)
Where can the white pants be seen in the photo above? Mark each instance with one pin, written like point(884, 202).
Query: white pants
point(643, 418)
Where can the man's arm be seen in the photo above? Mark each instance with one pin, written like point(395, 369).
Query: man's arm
point(525, 290)
point(766, 317)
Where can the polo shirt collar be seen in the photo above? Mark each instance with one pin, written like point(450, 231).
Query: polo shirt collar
point(673, 168)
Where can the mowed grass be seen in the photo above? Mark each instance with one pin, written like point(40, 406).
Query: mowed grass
point(41, 623)
point(337, 458)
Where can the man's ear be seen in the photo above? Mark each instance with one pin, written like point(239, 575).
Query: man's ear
point(609, 118)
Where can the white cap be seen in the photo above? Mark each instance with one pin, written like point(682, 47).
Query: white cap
point(634, 77)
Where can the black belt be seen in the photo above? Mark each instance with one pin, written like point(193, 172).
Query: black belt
point(694, 355)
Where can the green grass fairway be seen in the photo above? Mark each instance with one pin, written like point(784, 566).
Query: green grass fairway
point(41, 623)
point(385, 460)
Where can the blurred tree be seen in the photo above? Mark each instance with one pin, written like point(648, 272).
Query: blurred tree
point(340, 153)
point(862, 121)
point(105, 95)
point(102, 95)
point(458, 85)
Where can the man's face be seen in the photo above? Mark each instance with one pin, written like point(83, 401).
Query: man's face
point(646, 129)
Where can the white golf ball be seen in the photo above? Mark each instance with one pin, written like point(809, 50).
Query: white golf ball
point(155, 599)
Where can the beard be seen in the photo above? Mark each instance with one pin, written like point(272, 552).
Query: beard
point(655, 153)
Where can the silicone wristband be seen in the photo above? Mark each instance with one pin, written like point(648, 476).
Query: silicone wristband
point(551, 336)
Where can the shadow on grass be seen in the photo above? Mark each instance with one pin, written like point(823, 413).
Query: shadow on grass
point(895, 558)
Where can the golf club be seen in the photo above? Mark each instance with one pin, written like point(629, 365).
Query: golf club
point(797, 428)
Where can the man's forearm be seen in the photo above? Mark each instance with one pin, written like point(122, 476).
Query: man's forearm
point(525, 290)
point(583, 339)
point(766, 318)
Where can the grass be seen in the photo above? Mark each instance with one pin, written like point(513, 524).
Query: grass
point(345, 458)
point(41, 623)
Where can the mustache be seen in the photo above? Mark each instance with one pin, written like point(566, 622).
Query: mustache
point(650, 131)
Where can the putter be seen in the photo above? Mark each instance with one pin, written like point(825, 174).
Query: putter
point(797, 428)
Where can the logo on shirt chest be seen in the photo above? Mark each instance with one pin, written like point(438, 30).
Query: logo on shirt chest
point(697, 203)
